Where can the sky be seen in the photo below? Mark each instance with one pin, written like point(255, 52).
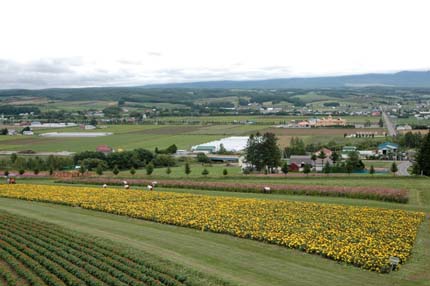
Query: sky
point(64, 43)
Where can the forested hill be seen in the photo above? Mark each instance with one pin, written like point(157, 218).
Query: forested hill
point(262, 90)
point(400, 79)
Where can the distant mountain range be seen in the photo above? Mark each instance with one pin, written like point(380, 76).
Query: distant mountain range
point(399, 79)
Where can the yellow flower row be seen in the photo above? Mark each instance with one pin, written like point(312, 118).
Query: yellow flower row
point(365, 237)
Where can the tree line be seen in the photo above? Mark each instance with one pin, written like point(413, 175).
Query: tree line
point(36, 163)
point(137, 158)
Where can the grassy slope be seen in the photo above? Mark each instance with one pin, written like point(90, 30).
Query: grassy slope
point(243, 261)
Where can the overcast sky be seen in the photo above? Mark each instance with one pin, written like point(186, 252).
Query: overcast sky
point(75, 43)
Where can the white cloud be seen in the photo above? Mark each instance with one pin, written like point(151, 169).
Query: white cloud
point(49, 43)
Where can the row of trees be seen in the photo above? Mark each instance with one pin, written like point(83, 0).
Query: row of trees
point(50, 163)
point(410, 140)
point(343, 167)
point(137, 158)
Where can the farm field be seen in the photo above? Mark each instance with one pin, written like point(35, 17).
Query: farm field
point(312, 228)
point(125, 137)
point(412, 121)
point(418, 191)
point(46, 104)
point(129, 137)
point(37, 253)
point(247, 262)
point(324, 135)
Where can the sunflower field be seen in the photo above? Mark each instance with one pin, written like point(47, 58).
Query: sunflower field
point(361, 236)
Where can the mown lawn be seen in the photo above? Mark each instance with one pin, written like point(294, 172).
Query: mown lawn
point(215, 171)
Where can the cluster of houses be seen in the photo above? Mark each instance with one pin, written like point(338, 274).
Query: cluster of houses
point(386, 150)
point(14, 132)
point(422, 115)
point(405, 127)
point(298, 162)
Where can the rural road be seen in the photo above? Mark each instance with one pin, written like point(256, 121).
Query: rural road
point(389, 124)
point(403, 168)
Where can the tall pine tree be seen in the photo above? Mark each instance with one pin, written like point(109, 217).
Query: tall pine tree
point(263, 152)
point(423, 158)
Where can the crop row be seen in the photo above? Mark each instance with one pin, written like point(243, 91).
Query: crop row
point(373, 193)
point(362, 236)
point(45, 255)
point(105, 251)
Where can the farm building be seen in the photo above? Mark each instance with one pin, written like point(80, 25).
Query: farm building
point(89, 127)
point(347, 149)
point(304, 124)
point(366, 154)
point(297, 162)
point(387, 147)
point(104, 149)
point(404, 127)
point(204, 148)
point(37, 124)
point(28, 133)
point(293, 167)
point(12, 132)
point(326, 151)
point(324, 122)
point(330, 121)
point(224, 158)
point(75, 134)
point(231, 144)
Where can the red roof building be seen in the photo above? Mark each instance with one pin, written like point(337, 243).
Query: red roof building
point(294, 167)
point(104, 149)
